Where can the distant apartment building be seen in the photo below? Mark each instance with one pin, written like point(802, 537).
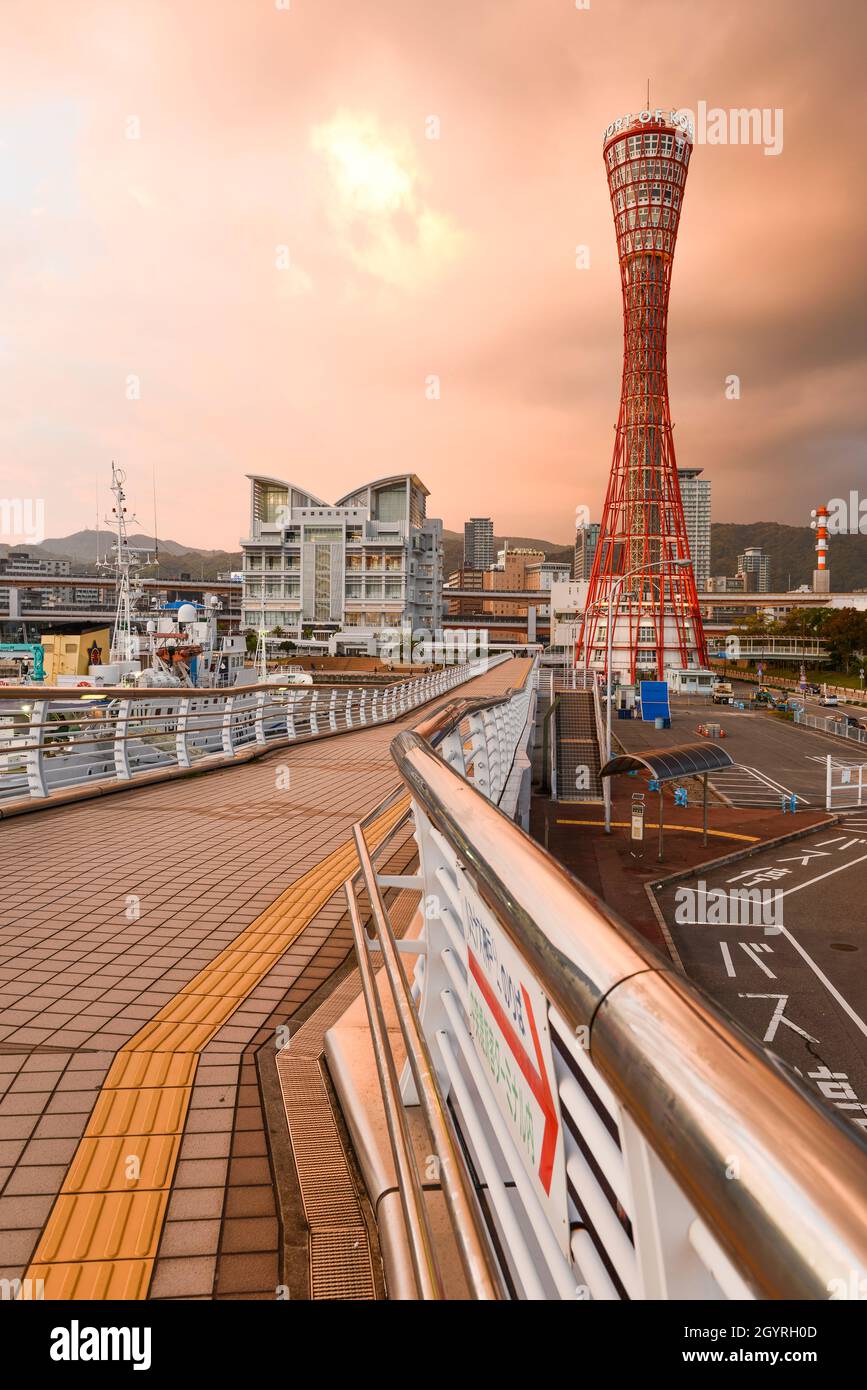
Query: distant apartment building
point(755, 566)
point(695, 495)
point(586, 540)
point(542, 575)
point(511, 574)
point(465, 578)
point(726, 584)
point(20, 564)
point(372, 560)
point(478, 543)
point(24, 565)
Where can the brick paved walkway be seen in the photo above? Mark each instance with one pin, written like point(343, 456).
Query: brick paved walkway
point(112, 915)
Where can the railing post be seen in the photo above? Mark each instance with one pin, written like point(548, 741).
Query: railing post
point(33, 759)
point(291, 697)
point(261, 697)
point(431, 972)
point(121, 749)
point(228, 741)
point(347, 713)
point(479, 755)
point(314, 722)
point(332, 709)
point(374, 716)
point(362, 703)
point(182, 752)
point(452, 749)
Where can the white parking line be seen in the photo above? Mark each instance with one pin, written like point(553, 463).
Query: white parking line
point(784, 931)
point(747, 786)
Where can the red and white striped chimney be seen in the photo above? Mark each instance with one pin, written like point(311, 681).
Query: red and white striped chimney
point(821, 574)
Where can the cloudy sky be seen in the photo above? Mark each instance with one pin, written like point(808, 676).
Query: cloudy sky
point(229, 243)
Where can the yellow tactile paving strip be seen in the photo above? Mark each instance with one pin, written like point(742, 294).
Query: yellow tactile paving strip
point(102, 1234)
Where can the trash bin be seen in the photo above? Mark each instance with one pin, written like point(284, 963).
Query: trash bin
point(659, 722)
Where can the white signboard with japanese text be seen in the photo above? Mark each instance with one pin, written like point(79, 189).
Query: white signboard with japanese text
point(508, 1019)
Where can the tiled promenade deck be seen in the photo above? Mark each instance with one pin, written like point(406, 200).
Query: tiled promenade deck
point(150, 944)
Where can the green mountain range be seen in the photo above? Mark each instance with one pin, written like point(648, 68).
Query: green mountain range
point(790, 549)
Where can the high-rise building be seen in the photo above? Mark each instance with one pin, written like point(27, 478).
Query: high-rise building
point(373, 560)
point(642, 564)
point(755, 566)
point(586, 538)
point(478, 543)
point(695, 496)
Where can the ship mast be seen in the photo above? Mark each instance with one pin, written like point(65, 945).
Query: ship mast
point(127, 562)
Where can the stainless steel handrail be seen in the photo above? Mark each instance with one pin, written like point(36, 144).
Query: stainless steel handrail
point(421, 1243)
point(471, 1240)
point(697, 1086)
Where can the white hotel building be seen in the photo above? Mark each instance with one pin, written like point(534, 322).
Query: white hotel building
point(371, 561)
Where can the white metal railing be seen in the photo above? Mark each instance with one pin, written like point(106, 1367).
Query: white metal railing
point(626, 1139)
point(602, 744)
point(54, 740)
point(845, 784)
point(831, 724)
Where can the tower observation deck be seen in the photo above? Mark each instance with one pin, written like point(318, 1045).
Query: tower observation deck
point(640, 566)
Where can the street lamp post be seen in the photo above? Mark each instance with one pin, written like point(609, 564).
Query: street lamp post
point(615, 589)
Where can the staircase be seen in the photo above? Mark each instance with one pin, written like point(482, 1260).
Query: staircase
point(577, 749)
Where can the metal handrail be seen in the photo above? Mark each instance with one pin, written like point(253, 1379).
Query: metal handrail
point(421, 1242)
point(476, 1257)
point(603, 750)
point(697, 1087)
point(118, 738)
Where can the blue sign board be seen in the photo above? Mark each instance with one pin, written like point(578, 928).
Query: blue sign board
point(654, 700)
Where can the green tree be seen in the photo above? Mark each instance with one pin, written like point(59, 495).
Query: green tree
point(845, 631)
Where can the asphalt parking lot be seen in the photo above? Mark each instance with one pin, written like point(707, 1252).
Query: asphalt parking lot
point(793, 968)
point(773, 757)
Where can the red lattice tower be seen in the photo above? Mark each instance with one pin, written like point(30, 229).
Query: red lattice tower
point(643, 531)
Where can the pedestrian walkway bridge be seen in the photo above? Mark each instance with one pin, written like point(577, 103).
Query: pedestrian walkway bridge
point(325, 1023)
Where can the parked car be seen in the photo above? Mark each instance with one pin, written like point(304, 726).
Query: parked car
point(830, 700)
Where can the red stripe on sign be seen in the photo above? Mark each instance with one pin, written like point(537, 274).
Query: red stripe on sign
point(537, 1081)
